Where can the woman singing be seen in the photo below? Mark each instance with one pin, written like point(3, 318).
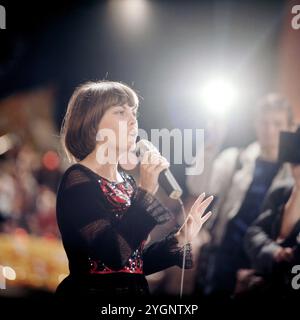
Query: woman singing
point(104, 217)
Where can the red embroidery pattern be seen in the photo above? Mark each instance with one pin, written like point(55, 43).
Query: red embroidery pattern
point(118, 196)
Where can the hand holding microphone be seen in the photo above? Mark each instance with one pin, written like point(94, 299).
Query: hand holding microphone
point(152, 164)
point(157, 171)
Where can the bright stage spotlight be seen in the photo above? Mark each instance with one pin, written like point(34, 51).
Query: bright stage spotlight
point(219, 95)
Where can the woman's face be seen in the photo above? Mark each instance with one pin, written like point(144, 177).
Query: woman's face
point(119, 128)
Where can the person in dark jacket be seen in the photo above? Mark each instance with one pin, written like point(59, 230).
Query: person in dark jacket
point(273, 241)
point(240, 181)
point(104, 216)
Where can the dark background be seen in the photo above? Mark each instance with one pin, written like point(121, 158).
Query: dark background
point(166, 55)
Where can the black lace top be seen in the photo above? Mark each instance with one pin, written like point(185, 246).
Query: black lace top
point(104, 227)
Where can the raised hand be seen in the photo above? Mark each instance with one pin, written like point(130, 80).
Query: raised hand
point(195, 220)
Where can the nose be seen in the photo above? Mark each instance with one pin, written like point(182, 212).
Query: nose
point(132, 119)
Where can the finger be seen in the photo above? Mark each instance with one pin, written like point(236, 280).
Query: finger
point(160, 160)
point(206, 217)
point(160, 167)
point(157, 160)
point(164, 161)
point(200, 223)
point(164, 165)
point(201, 220)
point(145, 159)
point(200, 209)
point(205, 203)
point(198, 201)
point(151, 159)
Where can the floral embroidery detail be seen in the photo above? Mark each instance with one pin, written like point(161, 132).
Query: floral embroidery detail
point(118, 195)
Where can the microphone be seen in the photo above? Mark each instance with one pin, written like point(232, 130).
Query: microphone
point(166, 179)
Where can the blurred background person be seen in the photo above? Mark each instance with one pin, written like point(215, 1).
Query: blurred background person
point(272, 242)
point(240, 180)
point(169, 51)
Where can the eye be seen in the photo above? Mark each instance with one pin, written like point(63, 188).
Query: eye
point(120, 112)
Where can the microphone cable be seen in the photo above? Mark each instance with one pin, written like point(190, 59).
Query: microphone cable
point(184, 247)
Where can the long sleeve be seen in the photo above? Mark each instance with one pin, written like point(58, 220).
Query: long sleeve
point(259, 242)
point(259, 245)
point(166, 253)
point(81, 207)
